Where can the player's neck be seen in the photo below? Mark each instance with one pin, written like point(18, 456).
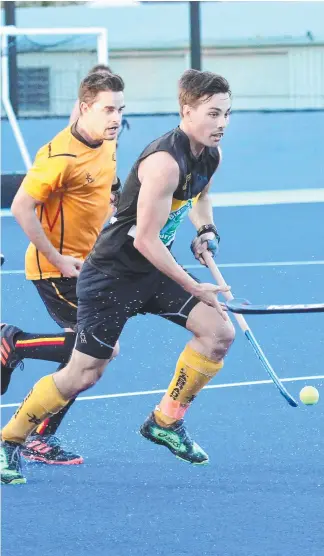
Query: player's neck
point(195, 147)
point(86, 133)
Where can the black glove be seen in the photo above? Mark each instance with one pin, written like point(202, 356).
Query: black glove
point(116, 190)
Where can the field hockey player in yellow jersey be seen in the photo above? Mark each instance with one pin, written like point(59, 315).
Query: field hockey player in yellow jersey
point(62, 205)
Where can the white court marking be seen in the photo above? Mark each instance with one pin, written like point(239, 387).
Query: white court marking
point(271, 197)
point(225, 265)
point(210, 387)
point(255, 198)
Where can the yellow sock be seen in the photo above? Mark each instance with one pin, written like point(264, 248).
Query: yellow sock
point(193, 372)
point(43, 400)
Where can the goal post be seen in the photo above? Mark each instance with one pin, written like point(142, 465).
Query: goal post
point(13, 31)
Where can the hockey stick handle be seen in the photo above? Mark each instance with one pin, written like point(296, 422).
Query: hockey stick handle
point(221, 282)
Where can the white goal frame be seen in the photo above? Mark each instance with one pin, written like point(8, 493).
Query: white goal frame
point(13, 31)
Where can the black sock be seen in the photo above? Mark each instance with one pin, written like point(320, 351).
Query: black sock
point(49, 347)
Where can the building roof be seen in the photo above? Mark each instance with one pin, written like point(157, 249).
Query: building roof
point(166, 24)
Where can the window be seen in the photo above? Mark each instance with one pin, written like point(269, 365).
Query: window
point(33, 89)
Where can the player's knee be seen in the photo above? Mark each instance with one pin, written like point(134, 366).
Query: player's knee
point(226, 336)
point(90, 375)
point(116, 351)
point(87, 380)
point(82, 372)
point(220, 338)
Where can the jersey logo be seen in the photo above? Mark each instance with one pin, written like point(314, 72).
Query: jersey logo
point(187, 180)
point(114, 157)
point(89, 178)
point(168, 232)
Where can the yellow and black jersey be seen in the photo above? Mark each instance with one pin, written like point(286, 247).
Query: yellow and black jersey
point(114, 248)
point(72, 180)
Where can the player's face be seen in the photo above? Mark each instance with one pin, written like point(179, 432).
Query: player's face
point(103, 117)
point(209, 119)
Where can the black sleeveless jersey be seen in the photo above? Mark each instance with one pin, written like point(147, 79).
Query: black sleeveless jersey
point(114, 251)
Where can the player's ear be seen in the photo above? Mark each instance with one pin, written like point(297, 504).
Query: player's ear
point(186, 110)
point(84, 108)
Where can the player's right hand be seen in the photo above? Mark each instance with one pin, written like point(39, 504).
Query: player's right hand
point(69, 266)
point(207, 293)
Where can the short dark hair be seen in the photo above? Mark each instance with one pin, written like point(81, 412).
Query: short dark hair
point(100, 68)
point(194, 85)
point(94, 83)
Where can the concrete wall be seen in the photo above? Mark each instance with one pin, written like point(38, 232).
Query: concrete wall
point(277, 77)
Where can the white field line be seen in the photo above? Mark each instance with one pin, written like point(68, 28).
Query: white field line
point(210, 387)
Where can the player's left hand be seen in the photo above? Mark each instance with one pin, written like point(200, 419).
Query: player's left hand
point(208, 241)
point(114, 199)
point(115, 194)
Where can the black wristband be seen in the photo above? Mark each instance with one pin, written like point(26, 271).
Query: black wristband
point(116, 186)
point(207, 228)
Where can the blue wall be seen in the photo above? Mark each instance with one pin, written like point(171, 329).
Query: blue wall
point(275, 150)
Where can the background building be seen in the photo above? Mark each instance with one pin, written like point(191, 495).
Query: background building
point(271, 52)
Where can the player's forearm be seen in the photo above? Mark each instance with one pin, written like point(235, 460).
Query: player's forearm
point(159, 255)
point(202, 212)
point(29, 222)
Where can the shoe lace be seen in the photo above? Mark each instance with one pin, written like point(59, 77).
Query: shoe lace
point(16, 362)
point(13, 456)
point(183, 433)
point(55, 443)
point(52, 441)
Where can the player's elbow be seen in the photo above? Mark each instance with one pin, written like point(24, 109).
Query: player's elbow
point(140, 243)
point(21, 207)
point(16, 207)
point(145, 244)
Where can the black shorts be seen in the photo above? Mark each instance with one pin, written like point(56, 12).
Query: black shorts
point(105, 303)
point(60, 299)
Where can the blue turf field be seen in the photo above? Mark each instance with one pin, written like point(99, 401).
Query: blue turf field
point(275, 150)
point(263, 492)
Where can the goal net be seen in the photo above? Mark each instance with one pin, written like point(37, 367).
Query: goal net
point(50, 66)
